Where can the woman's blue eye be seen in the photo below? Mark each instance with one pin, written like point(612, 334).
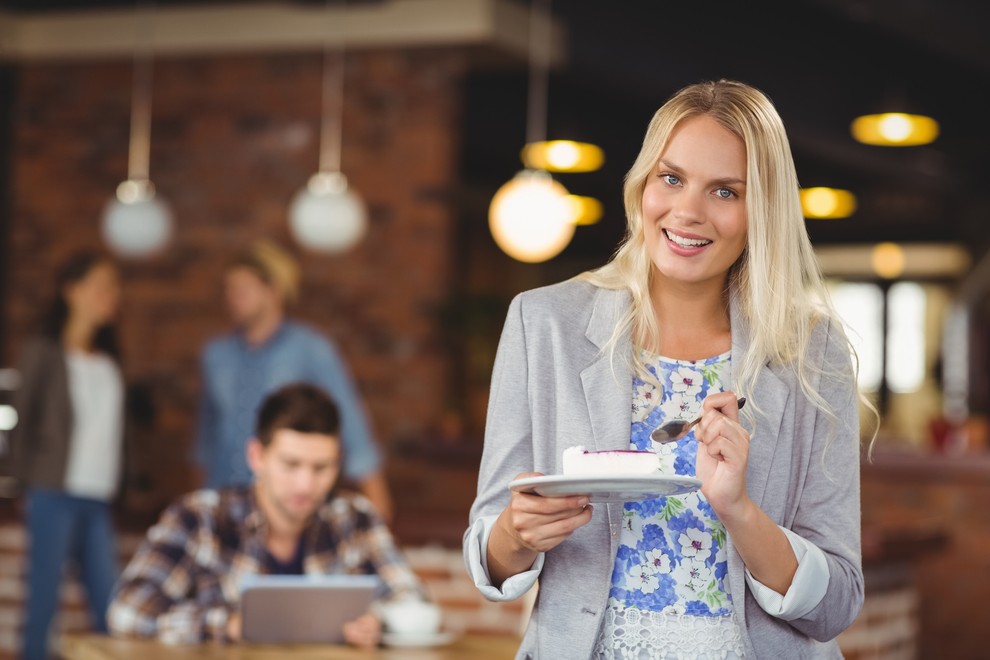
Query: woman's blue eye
point(725, 193)
point(671, 179)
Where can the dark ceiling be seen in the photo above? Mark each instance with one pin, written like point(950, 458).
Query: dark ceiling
point(821, 61)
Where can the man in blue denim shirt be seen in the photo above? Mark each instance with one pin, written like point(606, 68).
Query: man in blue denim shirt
point(268, 350)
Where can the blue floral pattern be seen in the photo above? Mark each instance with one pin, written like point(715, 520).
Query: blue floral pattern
point(671, 555)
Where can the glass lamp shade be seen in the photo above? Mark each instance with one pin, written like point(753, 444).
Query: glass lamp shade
point(530, 217)
point(895, 129)
point(827, 203)
point(326, 216)
point(135, 222)
point(563, 156)
point(584, 210)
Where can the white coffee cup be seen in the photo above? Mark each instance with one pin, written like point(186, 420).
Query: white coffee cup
point(411, 617)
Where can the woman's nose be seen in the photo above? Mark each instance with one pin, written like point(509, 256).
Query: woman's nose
point(687, 207)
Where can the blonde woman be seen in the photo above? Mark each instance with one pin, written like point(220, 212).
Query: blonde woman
point(715, 293)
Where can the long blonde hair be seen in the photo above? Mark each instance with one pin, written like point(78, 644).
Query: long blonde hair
point(777, 281)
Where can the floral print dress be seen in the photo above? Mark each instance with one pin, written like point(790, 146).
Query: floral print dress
point(670, 593)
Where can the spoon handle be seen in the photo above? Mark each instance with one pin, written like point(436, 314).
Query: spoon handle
point(676, 430)
point(740, 402)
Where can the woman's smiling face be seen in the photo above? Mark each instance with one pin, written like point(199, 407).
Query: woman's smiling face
point(694, 205)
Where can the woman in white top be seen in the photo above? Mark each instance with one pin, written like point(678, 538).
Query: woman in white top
point(68, 444)
point(715, 293)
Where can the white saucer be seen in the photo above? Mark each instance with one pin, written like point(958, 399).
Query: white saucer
point(607, 489)
point(417, 639)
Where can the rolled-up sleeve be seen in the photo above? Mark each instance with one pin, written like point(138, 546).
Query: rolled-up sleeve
point(476, 554)
point(807, 588)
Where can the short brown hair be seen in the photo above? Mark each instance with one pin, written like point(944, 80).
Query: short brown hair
point(298, 407)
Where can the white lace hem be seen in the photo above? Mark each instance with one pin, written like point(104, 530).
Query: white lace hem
point(634, 634)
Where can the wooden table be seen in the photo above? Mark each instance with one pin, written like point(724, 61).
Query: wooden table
point(101, 647)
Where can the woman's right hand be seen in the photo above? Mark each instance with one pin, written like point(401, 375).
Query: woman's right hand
point(537, 523)
point(531, 524)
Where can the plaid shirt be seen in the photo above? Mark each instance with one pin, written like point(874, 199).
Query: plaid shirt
point(184, 581)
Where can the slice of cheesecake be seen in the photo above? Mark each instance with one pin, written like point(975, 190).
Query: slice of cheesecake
point(578, 461)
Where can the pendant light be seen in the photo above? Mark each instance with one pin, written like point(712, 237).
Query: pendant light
point(584, 210)
point(326, 215)
point(563, 156)
point(824, 203)
point(530, 217)
point(136, 223)
point(895, 125)
point(895, 129)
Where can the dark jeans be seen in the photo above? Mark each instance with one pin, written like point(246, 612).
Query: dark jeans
point(62, 526)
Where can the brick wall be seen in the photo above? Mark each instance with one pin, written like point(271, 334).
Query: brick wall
point(464, 609)
point(12, 547)
point(233, 139)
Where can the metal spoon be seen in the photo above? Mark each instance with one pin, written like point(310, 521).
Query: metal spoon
point(678, 428)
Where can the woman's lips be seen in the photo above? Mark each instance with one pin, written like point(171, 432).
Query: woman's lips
point(685, 245)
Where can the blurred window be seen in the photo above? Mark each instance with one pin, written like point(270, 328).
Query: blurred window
point(8, 417)
point(861, 306)
point(905, 337)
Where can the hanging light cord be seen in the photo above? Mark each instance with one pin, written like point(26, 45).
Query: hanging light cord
point(331, 127)
point(139, 149)
point(540, 34)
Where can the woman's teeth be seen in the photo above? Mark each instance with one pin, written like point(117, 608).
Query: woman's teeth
point(685, 242)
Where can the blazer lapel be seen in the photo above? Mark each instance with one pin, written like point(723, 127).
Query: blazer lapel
point(769, 399)
point(607, 382)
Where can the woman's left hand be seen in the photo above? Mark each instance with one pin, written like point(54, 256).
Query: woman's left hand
point(723, 453)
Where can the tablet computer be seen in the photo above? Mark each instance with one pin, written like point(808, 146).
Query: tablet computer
point(303, 609)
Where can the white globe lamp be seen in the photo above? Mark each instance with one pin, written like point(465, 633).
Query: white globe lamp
point(531, 218)
point(325, 216)
point(136, 223)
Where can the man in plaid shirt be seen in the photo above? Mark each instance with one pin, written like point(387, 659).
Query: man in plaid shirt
point(183, 584)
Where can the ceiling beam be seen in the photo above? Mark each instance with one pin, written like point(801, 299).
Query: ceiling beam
point(209, 29)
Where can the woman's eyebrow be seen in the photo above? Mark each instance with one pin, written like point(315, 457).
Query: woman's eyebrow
point(730, 180)
point(720, 181)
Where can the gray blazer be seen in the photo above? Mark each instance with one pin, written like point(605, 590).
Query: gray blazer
point(40, 441)
point(553, 387)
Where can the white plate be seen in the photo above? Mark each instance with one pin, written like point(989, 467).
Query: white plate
point(607, 489)
point(417, 639)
